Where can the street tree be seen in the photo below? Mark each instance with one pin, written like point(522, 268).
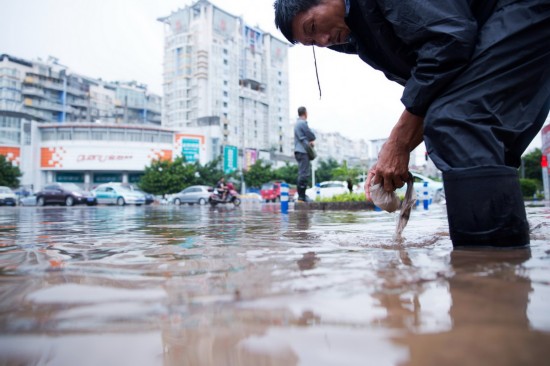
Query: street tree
point(259, 173)
point(325, 170)
point(344, 172)
point(210, 173)
point(287, 173)
point(167, 177)
point(9, 173)
point(532, 166)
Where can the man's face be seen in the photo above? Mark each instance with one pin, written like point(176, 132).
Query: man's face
point(322, 25)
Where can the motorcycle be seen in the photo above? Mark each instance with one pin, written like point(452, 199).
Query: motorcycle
point(231, 197)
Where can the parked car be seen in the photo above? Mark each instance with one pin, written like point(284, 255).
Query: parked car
point(67, 194)
point(28, 200)
point(435, 189)
point(327, 189)
point(7, 197)
point(271, 191)
point(192, 194)
point(149, 198)
point(117, 194)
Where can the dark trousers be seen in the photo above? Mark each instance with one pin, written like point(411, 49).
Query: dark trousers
point(479, 127)
point(304, 169)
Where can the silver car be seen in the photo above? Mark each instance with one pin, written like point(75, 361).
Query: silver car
point(192, 195)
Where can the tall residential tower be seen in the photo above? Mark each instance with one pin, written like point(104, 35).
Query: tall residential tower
point(221, 73)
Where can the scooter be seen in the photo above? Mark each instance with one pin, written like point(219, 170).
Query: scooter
point(231, 197)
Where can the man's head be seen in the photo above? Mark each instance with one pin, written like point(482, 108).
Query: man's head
point(312, 22)
point(302, 112)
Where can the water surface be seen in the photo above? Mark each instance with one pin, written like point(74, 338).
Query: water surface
point(190, 285)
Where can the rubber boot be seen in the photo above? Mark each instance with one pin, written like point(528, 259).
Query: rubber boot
point(485, 207)
point(301, 189)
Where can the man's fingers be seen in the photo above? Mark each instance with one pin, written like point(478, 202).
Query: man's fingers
point(370, 176)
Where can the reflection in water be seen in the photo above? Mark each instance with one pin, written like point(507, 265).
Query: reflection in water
point(171, 285)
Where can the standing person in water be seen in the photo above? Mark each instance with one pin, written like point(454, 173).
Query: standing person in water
point(476, 80)
point(302, 137)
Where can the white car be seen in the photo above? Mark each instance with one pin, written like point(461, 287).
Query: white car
point(7, 197)
point(326, 189)
point(117, 194)
point(434, 188)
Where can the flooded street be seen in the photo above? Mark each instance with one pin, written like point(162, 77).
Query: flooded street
point(192, 285)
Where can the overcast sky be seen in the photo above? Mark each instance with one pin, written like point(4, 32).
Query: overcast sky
point(122, 40)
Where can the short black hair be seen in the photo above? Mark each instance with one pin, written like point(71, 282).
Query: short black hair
point(302, 111)
point(286, 10)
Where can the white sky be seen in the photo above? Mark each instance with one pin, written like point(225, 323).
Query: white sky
point(122, 40)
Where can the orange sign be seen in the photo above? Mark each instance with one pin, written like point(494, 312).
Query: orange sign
point(52, 157)
point(11, 153)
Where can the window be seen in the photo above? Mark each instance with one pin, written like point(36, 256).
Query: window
point(48, 135)
point(64, 134)
point(99, 135)
point(116, 135)
point(133, 136)
point(81, 134)
point(149, 136)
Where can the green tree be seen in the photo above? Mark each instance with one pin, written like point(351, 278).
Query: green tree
point(287, 173)
point(166, 177)
point(210, 173)
point(343, 172)
point(528, 187)
point(325, 169)
point(531, 164)
point(259, 173)
point(9, 174)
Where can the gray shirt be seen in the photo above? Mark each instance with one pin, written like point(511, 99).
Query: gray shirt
point(302, 135)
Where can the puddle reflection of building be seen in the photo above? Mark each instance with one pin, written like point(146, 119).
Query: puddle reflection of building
point(202, 328)
point(489, 291)
point(299, 227)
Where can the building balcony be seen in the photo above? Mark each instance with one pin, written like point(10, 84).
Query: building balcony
point(41, 104)
point(52, 85)
point(32, 91)
point(77, 92)
point(39, 115)
point(82, 103)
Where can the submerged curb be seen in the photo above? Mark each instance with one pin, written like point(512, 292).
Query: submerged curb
point(328, 206)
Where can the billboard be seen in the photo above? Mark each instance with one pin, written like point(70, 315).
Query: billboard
point(230, 155)
point(250, 157)
point(100, 157)
point(545, 135)
point(224, 23)
point(191, 147)
point(279, 51)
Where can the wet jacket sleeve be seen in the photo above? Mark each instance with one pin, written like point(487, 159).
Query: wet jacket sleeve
point(444, 35)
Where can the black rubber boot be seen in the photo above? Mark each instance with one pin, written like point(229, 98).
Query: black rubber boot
point(485, 207)
point(301, 189)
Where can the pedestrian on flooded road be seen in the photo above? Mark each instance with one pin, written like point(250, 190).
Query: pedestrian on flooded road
point(476, 91)
point(303, 136)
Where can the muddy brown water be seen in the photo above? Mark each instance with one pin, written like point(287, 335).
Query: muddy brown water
point(190, 285)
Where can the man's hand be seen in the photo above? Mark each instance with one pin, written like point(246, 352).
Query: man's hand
point(392, 167)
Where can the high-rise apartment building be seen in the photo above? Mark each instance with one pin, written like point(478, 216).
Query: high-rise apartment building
point(219, 68)
point(50, 92)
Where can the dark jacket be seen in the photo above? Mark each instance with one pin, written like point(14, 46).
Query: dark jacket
point(422, 45)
